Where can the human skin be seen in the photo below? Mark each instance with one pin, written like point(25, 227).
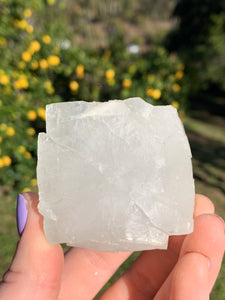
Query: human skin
point(187, 270)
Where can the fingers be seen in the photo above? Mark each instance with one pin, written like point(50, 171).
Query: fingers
point(86, 271)
point(199, 262)
point(203, 205)
point(191, 278)
point(37, 266)
point(208, 239)
point(150, 270)
point(144, 277)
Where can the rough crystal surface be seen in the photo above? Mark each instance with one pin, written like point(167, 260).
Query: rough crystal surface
point(114, 176)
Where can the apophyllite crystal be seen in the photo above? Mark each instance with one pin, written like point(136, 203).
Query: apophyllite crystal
point(114, 176)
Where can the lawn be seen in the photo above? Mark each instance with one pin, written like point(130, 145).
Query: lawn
point(206, 136)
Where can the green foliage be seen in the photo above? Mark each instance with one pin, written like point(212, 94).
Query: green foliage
point(194, 18)
point(40, 65)
point(29, 64)
point(199, 40)
point(214, 66)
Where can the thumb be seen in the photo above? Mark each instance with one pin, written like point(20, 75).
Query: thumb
point(35, 272)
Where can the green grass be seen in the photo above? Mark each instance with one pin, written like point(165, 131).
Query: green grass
point(207, 142)
point(207, 130)
point(208, 148)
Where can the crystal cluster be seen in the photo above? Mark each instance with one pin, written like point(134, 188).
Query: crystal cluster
point(114, 176)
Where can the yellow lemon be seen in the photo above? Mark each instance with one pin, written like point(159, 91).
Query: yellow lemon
point(10, 131)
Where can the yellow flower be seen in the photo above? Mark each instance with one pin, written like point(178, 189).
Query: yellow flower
point(34, 65)
point(41, 113)
point(48, 87)
point(34, 46)
point(51, 91)
point(80, 71)
point(21, 83)
point(26, 56)
point(33, 182)
point(149, 92)
point(46, 39)
point(31, 131)
point(0, 139)
point(6, 161)
point(29, 28)
point(43, 64)
point(22, 24)
point(156, 94)
point(110, 74)
point(176, 88)
point(74, 86)
point(27, 155)
point(4, 79)
point(3, 42)
point(179, 75)
point(51, 2)
point(1, 163)
point(27, 13)
point(21, 65)
point(31, 115)
point(47, 84)
point(53, 60)
point(3, 126)
point(26, 190)
point(126, 83)
point(175, 104)
point(21, 149)
point(10, 131)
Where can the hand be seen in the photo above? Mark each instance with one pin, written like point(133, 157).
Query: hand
point(187, 270)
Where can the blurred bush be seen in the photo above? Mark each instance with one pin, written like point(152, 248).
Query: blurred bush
point(214, 66)
point(199, 40)
point(40, 65)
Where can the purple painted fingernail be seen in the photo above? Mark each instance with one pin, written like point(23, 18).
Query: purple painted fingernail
point(209, 264)
point(21, 213)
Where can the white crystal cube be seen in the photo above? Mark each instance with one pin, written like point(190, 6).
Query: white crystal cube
point(114, 176)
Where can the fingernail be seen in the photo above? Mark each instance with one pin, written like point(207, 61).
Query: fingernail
point(209, 264)
point(21, 213)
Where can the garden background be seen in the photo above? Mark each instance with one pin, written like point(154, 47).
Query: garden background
point(165, 51)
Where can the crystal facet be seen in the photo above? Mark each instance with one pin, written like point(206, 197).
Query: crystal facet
point(114, 176)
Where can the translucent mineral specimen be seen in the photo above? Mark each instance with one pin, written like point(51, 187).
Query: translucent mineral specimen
point(114, 176)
